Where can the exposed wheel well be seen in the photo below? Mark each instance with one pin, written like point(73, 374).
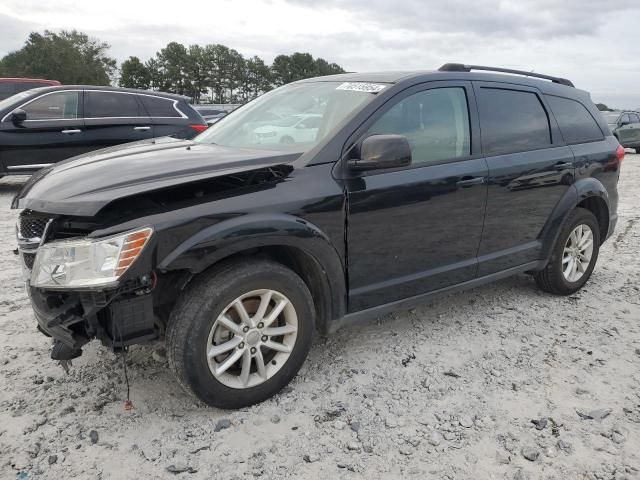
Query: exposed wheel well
point(308, 269)
point(598, 207)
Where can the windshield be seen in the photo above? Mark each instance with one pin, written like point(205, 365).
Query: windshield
point(612, 117)
point(295, 117)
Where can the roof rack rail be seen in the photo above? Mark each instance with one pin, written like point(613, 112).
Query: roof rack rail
point(459, 67)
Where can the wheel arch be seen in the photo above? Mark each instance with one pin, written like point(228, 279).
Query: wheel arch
point(291, 241)
point(588, 193)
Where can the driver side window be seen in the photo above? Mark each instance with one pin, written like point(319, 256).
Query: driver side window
point(53, 106)
point(435, 121)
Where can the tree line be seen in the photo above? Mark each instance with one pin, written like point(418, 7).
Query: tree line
point(210, 73)
point(217, 73)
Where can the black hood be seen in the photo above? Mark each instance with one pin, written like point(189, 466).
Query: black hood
point(83, 185)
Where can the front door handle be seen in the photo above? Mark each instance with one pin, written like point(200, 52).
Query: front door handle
point(142, 129)
point(563, 165)
point(71, 131)
point(470, 181)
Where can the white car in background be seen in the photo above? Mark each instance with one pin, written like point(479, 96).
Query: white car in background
point(299, 128)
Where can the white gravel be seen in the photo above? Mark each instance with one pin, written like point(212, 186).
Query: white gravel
point(487, 362)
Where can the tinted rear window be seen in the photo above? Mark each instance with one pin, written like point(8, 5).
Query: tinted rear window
point(512, 121)
point(575, 122)
point(111, 104)
point(6, 90)
point(159, 107)
point(24, 86)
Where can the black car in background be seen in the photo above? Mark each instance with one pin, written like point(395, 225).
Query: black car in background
point(625, 126)
point(42, 126)
point(11, 86)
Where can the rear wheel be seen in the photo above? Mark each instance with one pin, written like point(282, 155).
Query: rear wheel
point(574, 255)
point(241, 333)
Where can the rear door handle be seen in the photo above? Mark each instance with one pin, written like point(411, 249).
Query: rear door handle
point(142, 129)
point(563, 165)
point(469, 181)
point(71, 132)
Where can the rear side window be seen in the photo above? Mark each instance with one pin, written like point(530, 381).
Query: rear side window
point(24, 86)
point(575, 122)
point(634, 118)
point(159, 107)
point(512, 121)
point(436, 123)
point(54, 106)
point(6, 90)
point(111, 104)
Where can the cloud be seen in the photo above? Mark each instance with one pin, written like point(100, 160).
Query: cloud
point(594, 43)
point(13, 33)
point(516, 18)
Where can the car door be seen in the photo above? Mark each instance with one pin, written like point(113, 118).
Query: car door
point(624, 131)
point(530, 170)
point(635, 128)
point(113, 117)
point(417, 229)
point(53, 131)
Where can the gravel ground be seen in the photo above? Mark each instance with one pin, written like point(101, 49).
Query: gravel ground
point(502, 381)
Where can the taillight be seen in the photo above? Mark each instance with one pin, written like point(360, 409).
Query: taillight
point(620, 154)
point(199, 128)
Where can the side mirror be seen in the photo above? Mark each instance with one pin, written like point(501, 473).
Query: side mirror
point(383, 151)
point(18, 116)
point(624, 123)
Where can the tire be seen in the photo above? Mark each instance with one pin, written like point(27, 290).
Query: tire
point(552, 278)
point(287, 140)
point(196, 320)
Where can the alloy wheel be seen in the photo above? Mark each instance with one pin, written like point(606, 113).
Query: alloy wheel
point(577, 253)
point(252, 338)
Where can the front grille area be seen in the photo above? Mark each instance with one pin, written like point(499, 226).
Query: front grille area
point(32, 224)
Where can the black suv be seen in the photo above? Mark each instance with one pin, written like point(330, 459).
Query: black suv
point(42, 126)
point(625, 127)
point(237, 249)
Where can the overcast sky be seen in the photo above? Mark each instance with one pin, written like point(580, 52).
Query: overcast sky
point(595, 43)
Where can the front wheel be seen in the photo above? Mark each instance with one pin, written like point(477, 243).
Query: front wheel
point(240, 333)
point(574, 255)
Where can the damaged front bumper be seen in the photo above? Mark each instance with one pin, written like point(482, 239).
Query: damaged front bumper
point(117, 318)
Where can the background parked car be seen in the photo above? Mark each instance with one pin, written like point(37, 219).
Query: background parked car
point(292, 129)
point(11, 86)
point(625, 126)
point(42, 126)
point(213, 113)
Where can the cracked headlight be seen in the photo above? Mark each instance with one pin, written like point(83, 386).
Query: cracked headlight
point(87, 262)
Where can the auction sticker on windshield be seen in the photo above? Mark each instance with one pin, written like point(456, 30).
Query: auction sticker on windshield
point(361, 87)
